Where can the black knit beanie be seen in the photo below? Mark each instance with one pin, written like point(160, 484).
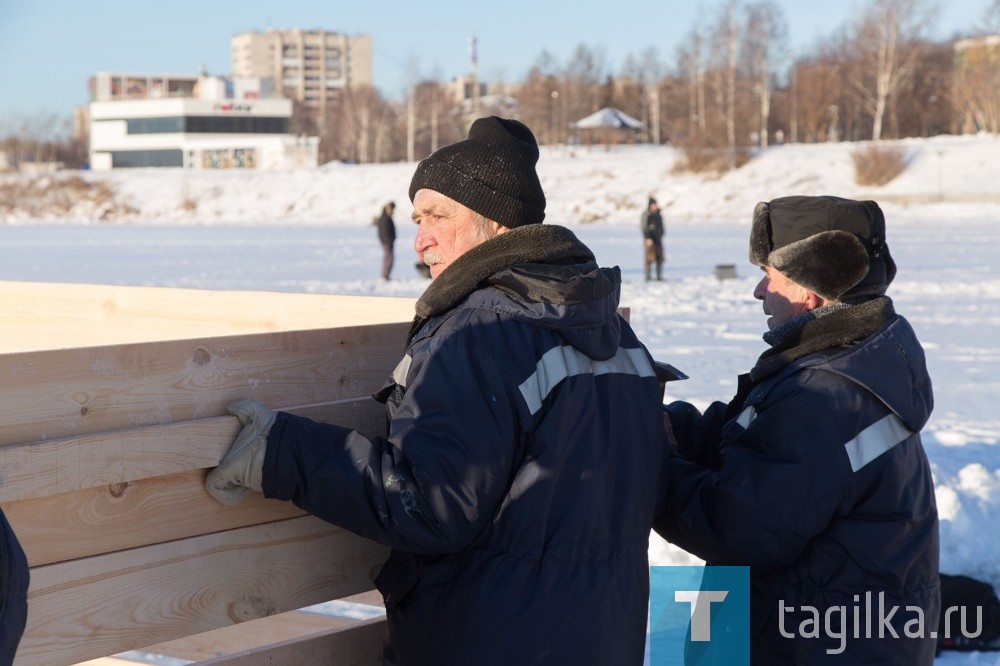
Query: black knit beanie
point(832, 246)
point(492, 172)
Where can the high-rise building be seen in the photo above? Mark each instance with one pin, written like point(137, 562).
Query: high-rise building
point(312, 66)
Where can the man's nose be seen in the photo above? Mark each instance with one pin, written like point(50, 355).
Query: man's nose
point(421, 241)
point(760, 289)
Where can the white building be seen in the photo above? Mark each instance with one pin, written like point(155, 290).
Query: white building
point(227, 123)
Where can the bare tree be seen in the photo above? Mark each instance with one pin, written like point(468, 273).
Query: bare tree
point(727, 37)
point(817, 90)
point(437, 117)
point(652, 75)
point(923, 104)
point(977, 84)
point(991, 19)
point(630, 91)
point(35, 139)
point(582, 81)
point(766, 44)
point(691, 64)
point(887, 41)
point(361, 127)
point(539, 100)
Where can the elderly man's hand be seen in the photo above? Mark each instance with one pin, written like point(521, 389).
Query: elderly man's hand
point(242, 468)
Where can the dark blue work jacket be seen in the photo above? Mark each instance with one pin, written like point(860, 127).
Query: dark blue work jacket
point(816, 478)
point(518, 480)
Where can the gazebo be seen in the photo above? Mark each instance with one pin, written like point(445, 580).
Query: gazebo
point(609, 125)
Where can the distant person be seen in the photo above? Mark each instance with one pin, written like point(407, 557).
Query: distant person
point(13, 592)
point(814, 475)
point(651, 224)
point(520, 473)
point(387, 237)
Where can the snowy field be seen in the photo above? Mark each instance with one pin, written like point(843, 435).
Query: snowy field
point(947, 251)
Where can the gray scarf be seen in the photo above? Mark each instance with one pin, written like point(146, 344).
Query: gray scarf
point(828, 327)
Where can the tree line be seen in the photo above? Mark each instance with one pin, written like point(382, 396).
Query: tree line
point(732, 86)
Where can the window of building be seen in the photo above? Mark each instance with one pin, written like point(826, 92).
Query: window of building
point(229, 158)
point(154, 125)
point(208, 125)
point(235, 125)
point(128, 159)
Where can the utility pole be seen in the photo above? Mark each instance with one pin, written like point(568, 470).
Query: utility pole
point(411, 122)
point(654, 112)
point(475, 80)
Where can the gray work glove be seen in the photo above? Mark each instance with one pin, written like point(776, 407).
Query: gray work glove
point(241, 469)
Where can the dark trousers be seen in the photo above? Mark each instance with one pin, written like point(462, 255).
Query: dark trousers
point(654, 255)
point(386, 260)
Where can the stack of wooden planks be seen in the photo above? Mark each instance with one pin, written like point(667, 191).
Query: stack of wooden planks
point(114, 410)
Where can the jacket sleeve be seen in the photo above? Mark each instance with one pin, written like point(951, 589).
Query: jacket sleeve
point(698, 435)
point(780, 481)
point(14, 577)
point(435, 482)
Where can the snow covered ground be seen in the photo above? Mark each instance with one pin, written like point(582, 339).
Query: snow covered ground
point(309, 231)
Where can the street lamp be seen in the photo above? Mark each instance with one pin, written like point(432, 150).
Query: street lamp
point(554, 124)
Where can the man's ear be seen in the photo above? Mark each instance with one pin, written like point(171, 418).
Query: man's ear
point(814, 300)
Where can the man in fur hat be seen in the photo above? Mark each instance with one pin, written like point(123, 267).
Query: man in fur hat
point(518, 480)
point(814, 475)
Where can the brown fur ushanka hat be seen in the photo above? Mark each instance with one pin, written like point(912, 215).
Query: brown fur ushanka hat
point(833, 247)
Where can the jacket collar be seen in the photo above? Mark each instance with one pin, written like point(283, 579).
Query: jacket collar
point(532, 243)
point(839, 327)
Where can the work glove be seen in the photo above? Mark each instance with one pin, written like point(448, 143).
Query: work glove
point(241, 470)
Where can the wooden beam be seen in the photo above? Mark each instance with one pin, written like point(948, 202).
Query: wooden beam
point(106, 519)
point(73, 392)
point(37, 469)
point(254, 635)
point(40, 315)
point(105, 605)
point(359, 644)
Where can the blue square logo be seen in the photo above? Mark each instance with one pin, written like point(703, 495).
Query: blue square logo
point(699, 616)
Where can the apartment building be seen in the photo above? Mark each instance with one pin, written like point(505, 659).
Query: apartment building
point(312, 66)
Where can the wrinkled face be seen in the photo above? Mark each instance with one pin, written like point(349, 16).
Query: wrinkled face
point(446, 229)
point(783, 299)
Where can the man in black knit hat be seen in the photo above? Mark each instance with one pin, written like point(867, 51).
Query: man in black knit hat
point(814, 475)
point(519, 477)
point(651, 225)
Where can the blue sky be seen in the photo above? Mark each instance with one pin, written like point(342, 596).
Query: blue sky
point(49, 48)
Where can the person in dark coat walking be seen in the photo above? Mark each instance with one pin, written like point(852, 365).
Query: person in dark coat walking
point(814, 475)
point(520, 474)
point(651, 225)
point(13, 592)
point(387, 237)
